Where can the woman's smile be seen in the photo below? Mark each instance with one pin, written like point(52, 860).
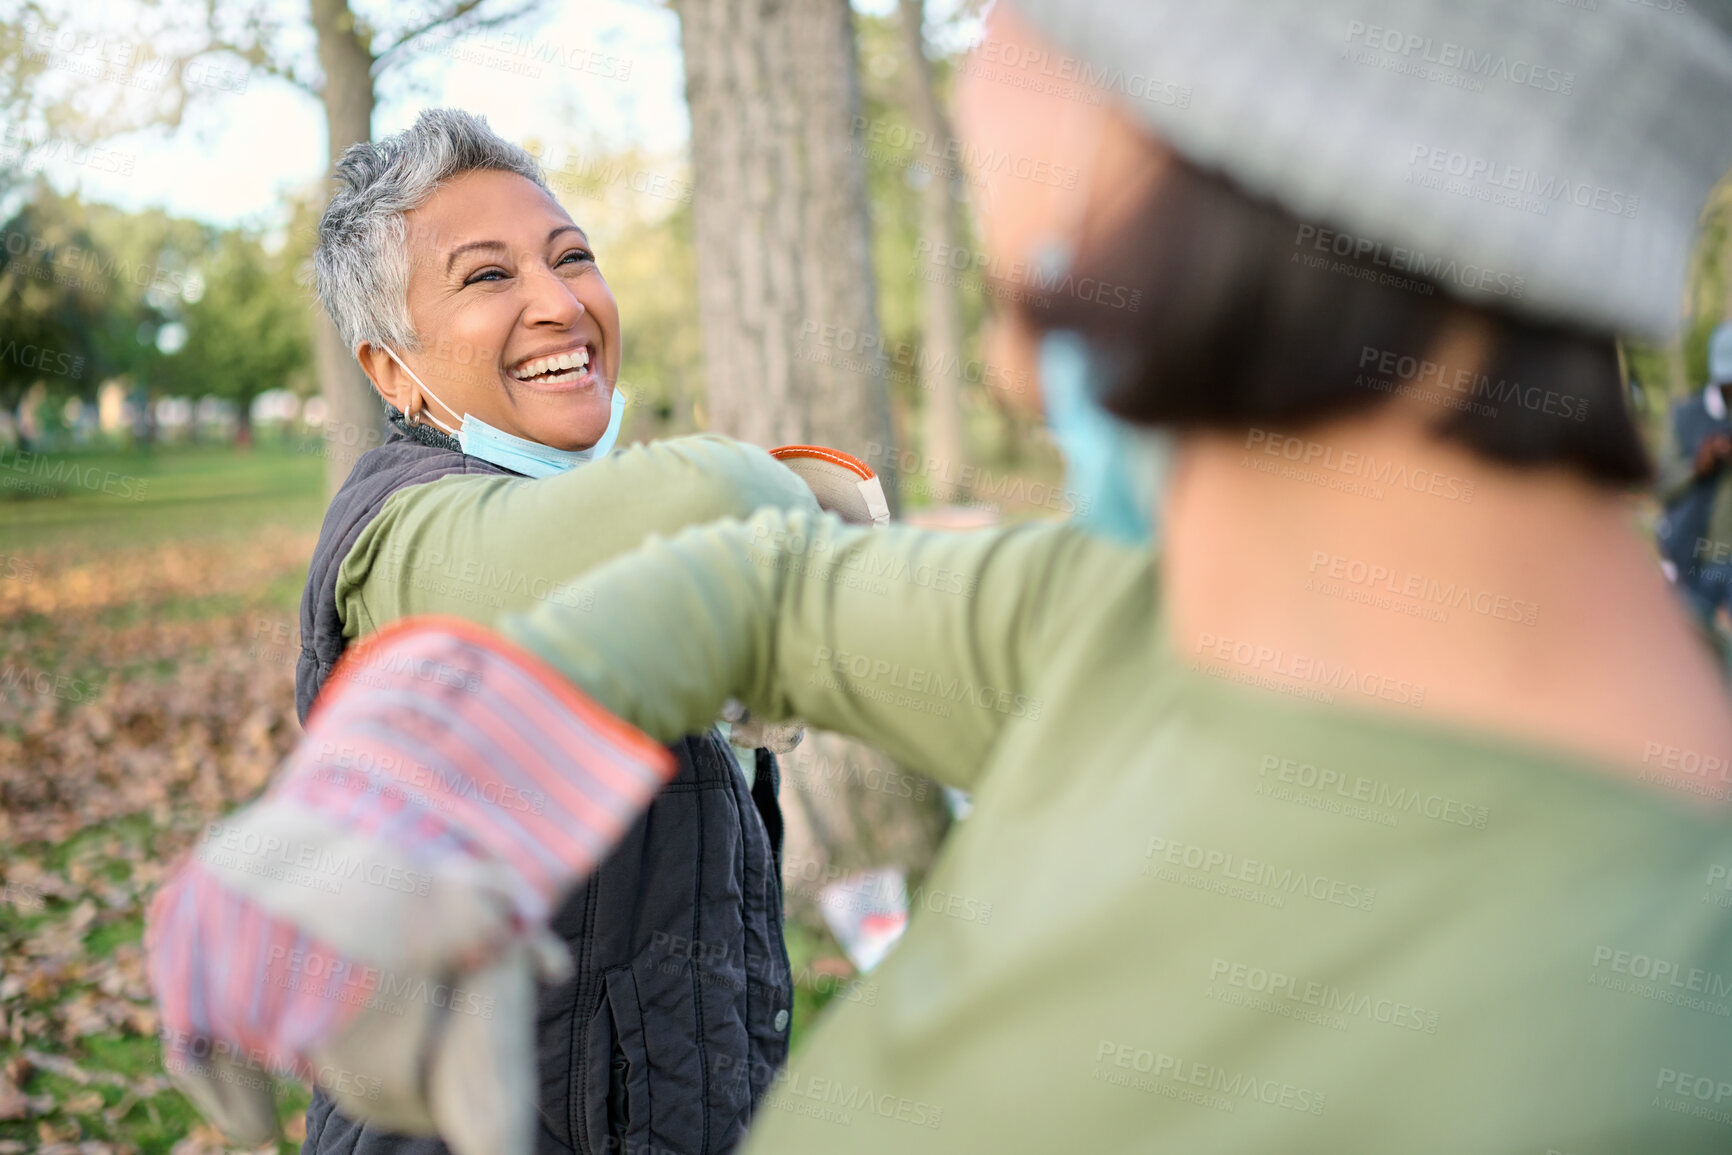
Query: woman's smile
point(566, 368)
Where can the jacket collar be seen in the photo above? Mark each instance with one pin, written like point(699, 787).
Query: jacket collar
point(426, 434)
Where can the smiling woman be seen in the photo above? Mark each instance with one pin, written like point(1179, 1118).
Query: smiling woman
point(485, 287)
point(477, 309)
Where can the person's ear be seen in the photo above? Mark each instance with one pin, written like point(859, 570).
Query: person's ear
point(386, 375)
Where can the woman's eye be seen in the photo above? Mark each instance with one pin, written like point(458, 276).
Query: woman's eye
point(485, 275)
point(578, 256)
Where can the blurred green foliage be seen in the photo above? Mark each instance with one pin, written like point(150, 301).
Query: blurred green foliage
point(89, 293)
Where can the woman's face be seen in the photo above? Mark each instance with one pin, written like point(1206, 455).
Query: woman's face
point(515, 322)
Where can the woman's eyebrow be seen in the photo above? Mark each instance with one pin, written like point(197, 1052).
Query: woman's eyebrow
point(451, 258)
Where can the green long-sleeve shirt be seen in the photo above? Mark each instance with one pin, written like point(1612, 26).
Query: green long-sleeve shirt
point(1186, 916)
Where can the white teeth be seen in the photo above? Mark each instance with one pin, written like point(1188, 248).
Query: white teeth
point(576, 359)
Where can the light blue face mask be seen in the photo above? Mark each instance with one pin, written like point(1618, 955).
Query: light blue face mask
point(1115, 471)
point(530, 458)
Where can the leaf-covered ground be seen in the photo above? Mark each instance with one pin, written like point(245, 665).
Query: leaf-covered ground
point(146, 686)
point(143, 691)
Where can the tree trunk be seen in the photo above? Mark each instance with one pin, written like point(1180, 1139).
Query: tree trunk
point(785, 288)
point(941, 352)
point(354, 418)
point(787, 311)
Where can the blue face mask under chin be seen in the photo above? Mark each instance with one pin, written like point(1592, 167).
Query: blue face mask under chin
point(530, 458)
point(1114, 470)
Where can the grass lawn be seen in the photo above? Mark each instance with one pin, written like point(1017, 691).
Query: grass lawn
point(145, 496)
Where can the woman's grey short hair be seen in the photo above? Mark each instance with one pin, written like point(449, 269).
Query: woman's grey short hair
point(362, 262)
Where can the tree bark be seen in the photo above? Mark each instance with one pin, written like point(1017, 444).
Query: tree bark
point(941, 352)
point(788, 315)
point(786, 296)
point(354, 417)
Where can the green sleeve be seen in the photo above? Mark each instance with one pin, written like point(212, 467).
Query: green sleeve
point(477, 546)
point(925, 644)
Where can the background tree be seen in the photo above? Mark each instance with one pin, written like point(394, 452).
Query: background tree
point(246, 327)
point(40, 309)
point(940, 362)
point(93, 284)
point(788, 317)
point(786, 295)
point(904, 159)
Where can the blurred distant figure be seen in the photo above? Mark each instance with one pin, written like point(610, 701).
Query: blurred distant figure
point(1696, 531)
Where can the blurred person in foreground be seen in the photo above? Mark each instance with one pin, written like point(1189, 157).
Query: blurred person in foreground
point(480, 314)
point(1696, 487)
point(1376, 807)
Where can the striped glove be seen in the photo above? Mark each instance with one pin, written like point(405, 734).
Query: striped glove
point(376, 920)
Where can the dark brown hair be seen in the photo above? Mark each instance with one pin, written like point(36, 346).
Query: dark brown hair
point(1215, 309)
